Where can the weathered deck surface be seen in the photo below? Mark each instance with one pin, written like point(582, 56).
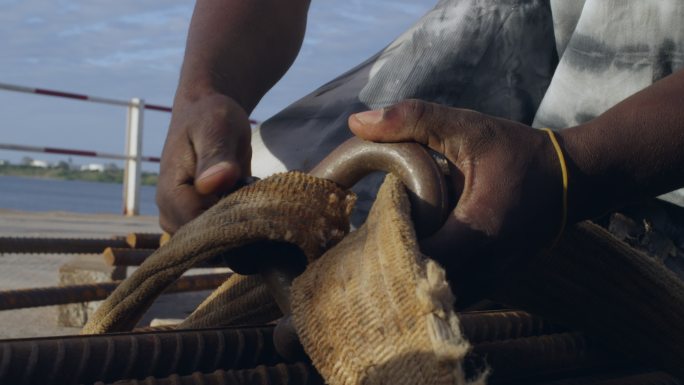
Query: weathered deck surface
point(19, 271)
point(63, 224)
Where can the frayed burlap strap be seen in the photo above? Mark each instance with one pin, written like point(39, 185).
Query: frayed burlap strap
point(373, 310)
point(293, 207)
point(241, 300)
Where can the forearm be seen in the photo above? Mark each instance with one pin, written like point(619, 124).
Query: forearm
point(632, 151)
point(241, 48)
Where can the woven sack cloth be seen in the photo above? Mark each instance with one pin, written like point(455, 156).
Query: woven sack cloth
point(374, 310)
point(293, 208)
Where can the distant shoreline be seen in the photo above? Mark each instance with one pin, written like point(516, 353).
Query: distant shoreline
point(63, 173)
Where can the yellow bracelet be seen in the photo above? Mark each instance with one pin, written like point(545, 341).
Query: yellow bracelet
point(564, 172)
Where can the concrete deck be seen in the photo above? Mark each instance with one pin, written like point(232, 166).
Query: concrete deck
point(63, 224)
point(19, 271)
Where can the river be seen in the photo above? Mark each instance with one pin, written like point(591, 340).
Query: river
point(34, 194)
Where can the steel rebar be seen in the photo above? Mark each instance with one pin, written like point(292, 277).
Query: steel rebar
point(165, 237)
point(48, 296)
point(143, 240)
point(125, 257)
point(27, 245)
point(304, 374)
point(135, 257)
point(632, 378)
point(21, 360)
point(110, 357)
point(280, 374)
point(483, 326)
point(525, 358)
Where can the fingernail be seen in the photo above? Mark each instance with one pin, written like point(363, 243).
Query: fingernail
point(218, 167)
point(369, 117)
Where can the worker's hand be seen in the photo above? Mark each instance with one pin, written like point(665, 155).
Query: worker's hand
point(207, 151)
point(506, 179)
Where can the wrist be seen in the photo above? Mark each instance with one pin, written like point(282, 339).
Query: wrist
point(563, 169)
point(588, 190)
point(205, 85)
point(204, 93)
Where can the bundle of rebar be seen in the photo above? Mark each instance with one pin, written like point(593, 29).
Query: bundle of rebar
point(59, 295)
point(517, 347)
point(45, 245)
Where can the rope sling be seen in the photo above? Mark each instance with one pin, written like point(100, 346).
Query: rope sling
point(369, 308)
point(418, 333)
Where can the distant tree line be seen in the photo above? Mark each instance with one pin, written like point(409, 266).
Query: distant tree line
point(65, 171)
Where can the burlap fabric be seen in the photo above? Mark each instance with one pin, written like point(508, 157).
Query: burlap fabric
point(373, 310)
point(292, 207)
point(241, 300)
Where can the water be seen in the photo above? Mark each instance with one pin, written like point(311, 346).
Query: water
point(32, 194)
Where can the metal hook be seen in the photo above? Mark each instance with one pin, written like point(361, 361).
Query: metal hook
point(411, 162)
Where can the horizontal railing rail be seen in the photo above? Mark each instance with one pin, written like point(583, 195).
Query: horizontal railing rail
point(134, 126)
point(66, 151)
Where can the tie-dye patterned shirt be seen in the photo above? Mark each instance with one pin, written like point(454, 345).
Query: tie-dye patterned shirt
point(548, 63)
point(609, 49)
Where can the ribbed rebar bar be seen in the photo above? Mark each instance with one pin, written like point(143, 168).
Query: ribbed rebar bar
point(165, 237)
point(26, 245)
point(304, 374)
point(135, 257)
point(125, 257)
point(110, 357)
point(525, 358)
point(280, 374)
point(143, 240)
point(30, 361)
point(604, 287)
point(632, 378)
point(48, 296)
point(107, 358)
point(483, 326)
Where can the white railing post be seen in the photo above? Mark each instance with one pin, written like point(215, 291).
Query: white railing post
point(131, 185)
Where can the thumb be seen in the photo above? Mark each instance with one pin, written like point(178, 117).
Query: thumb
point(223, 158)
point(408, 121)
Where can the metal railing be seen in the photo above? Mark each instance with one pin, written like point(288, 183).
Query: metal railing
point(134, 127)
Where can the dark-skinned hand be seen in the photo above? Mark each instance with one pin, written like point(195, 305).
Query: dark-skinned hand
point(207, 151)
point(507, 184)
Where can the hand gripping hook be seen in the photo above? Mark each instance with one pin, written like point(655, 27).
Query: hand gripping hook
point(424, 179)
point(411, 162)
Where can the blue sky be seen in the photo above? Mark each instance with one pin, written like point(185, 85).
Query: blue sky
point(125, 48)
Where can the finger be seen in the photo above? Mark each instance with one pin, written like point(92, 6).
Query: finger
point(180, 205)
point(410, 120)
point(223, 154)
point(219, 178)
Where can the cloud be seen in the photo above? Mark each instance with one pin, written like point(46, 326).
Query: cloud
point(77, 34)
point(34, 20)
point(126, 48)
point(80, 30)
point(161, 59)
